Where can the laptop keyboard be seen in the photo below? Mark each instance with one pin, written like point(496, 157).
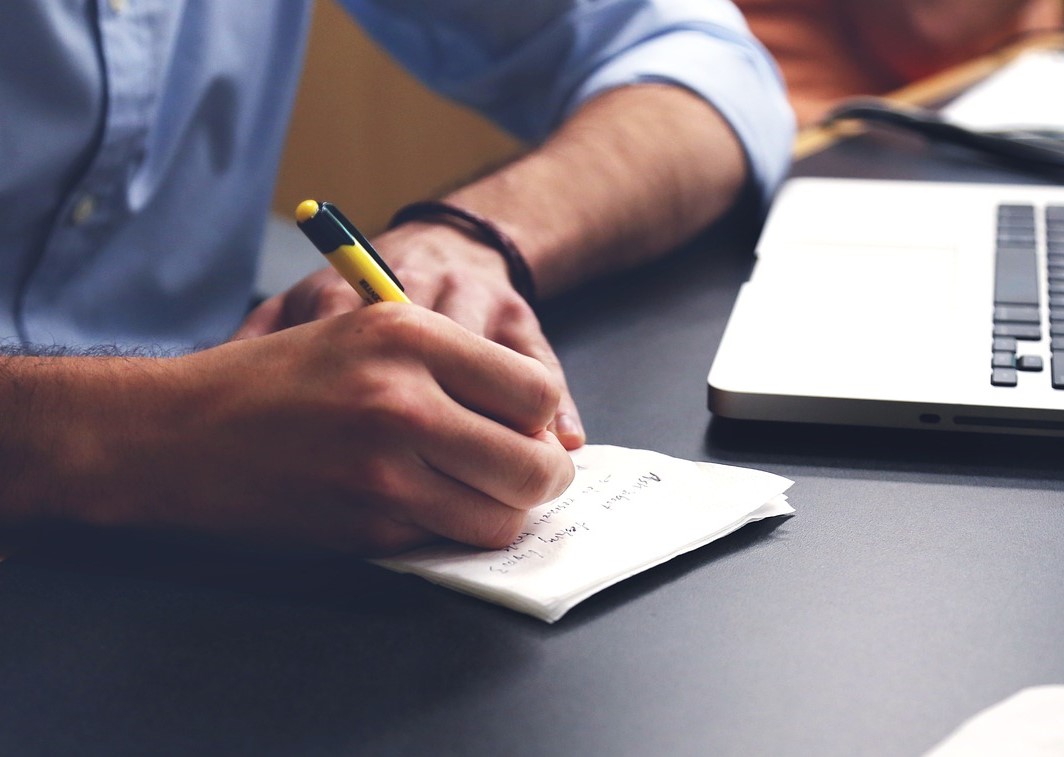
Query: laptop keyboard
point(1018, 293)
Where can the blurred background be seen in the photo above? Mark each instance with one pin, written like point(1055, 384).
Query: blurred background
point(409, 145)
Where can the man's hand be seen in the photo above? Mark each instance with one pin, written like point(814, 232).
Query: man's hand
point(445, 271)
point(367, 433)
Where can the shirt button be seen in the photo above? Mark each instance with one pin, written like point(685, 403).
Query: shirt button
point(117, 5)
point(83, 209)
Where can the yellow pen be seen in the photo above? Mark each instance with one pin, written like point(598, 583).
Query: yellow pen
point(349, 252)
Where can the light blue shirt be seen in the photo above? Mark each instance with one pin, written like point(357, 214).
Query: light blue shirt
point(139, 139)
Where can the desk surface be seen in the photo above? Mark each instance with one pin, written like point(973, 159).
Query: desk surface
point(918, 583)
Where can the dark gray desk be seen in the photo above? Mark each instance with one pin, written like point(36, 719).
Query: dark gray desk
point(920, 581)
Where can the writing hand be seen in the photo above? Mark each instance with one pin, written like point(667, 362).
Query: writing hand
point(443, 270)
point(367, 433)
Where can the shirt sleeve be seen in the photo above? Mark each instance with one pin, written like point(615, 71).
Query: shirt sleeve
point(527, 65)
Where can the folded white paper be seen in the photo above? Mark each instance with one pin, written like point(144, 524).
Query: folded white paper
point(627, 510)
point(1030, 723)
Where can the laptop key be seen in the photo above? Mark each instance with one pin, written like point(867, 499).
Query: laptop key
point(1005, 344)
point(1017, 314)
point(1016, 277)
point(1029, 362)
point(1016, 237)
point(1017, 210)
point(1057, 370)
point(1003, 360)
point(1028, 331)
point(1004, 377)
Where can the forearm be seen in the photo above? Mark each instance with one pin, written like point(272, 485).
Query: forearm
point(632, 174)
point(66, 424)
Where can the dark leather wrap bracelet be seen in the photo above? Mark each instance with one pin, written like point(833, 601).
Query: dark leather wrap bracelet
point(478, 228)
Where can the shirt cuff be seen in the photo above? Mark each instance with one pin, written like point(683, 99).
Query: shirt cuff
point(735, 75)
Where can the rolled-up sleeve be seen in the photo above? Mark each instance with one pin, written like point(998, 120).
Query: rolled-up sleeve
point(527, 65)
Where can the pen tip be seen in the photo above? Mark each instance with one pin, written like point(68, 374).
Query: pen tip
point(306, 210)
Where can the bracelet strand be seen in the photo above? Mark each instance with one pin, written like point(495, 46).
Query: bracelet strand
point(480, 229)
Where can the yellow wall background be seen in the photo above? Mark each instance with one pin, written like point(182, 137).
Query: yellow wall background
point(368, 137)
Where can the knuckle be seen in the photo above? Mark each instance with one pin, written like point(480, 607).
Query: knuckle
point(545, 390)
point(517, 322)
point(399, 325)
point(501, 531)
point(566, 475)
point(378, 477)
point(397, 407)
point(450, 279)
point(416, 279)
point(384, 316)
point(539, 482)
point(333, 299)
point(516, 309)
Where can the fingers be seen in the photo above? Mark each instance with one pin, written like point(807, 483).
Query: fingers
point(265, 319)
point(472, 485)
point(468, 307)
point(453, 509)
point(522, 333)
point(352, 529)
point(446, 271)
point(431, 466)
point(322, 294)
point(566, 424)
point(515, 470)
point(460, 440)
point(326, 295)
point(481, 375)
point(391, 424)
point(512, 323)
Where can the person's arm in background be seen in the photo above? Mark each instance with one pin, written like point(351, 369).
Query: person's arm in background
point(366, 434)
point(915, 38)
point(667, 110)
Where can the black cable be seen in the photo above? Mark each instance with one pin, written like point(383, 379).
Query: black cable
point(1037, 150)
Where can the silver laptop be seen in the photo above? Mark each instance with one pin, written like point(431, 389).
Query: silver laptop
point(902, 304)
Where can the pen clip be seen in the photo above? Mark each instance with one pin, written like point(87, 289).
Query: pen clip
point(334, 212)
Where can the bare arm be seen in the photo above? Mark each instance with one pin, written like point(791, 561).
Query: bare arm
point(633, 174)
point(366, 433)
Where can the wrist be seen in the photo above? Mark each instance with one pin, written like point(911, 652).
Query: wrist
point(479, 229)
point(422, 249)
